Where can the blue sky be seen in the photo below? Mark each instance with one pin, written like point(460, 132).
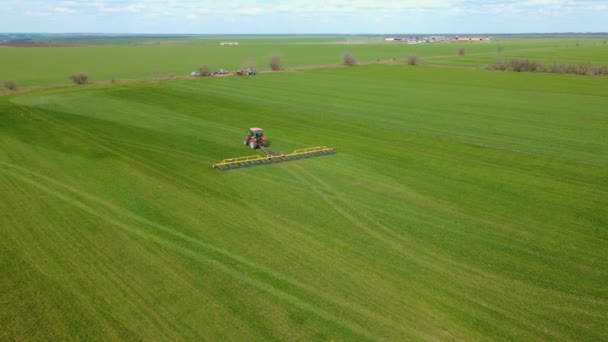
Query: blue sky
point(303, 16)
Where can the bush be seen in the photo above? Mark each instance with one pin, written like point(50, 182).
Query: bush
point(526, 65)
point(349, 59)
point(204, 70)
point(413, 60)
point(499, 49)
point(11, 85)
point(462, 51)
point(80, 78)
point(275, 62)
point(565, 68)
point(251, 63)
point(517, 65)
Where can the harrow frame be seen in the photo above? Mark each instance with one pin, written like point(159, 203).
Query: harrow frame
point(235, 163)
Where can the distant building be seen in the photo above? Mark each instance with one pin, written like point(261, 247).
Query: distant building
point(437, 38)
point(229, 43)
point(471, 39)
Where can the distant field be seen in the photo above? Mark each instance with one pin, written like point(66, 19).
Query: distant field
point(53, 65)
point(596, 54)
point(193, 40)
point(462, 204)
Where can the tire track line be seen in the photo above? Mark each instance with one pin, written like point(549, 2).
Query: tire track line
point(208, 260)
point(159, 149)
point(155, 168)
point(473, 276)
point(122, 284)
point(340, 302)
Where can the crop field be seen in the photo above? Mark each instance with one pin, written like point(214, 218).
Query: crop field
point(461, 204)
point(104, 61)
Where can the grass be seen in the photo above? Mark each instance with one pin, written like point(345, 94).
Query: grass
point(462, 204)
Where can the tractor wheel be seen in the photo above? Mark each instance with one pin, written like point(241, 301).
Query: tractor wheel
point(245, 142)
point(252, 145)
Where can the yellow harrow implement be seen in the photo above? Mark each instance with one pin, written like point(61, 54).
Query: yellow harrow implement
point(272, 157)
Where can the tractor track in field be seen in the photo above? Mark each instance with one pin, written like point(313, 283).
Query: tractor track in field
point(339, 302)
point(161, 150)
point(67, 195)
point(159, 316)
point(159, 170)
point(293, 282)
point(413, 251)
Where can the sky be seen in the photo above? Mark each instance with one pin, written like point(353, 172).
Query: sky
point(303, 16)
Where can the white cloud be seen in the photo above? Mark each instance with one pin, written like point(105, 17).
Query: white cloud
point(201, 10)
point(65, 10)
point(311, 15)
point(252, 11)
point(37, 14)
point(136, 7)
point(336, 7)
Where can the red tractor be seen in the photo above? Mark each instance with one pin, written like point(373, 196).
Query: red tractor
point(255, 138)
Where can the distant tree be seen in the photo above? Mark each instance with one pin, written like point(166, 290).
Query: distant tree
point(204, 70)
point(462, 51)
point(413, 60)
point(275, 62)
point(11, 85)
point(251, 63)
point(80, 78)
point(349, 59)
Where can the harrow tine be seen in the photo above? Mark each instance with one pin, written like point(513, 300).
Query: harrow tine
point(272, 157)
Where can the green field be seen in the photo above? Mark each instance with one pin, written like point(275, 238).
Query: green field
point(122, 61)
point(461, 204)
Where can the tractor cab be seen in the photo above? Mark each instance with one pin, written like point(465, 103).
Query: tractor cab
point(255, 138)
